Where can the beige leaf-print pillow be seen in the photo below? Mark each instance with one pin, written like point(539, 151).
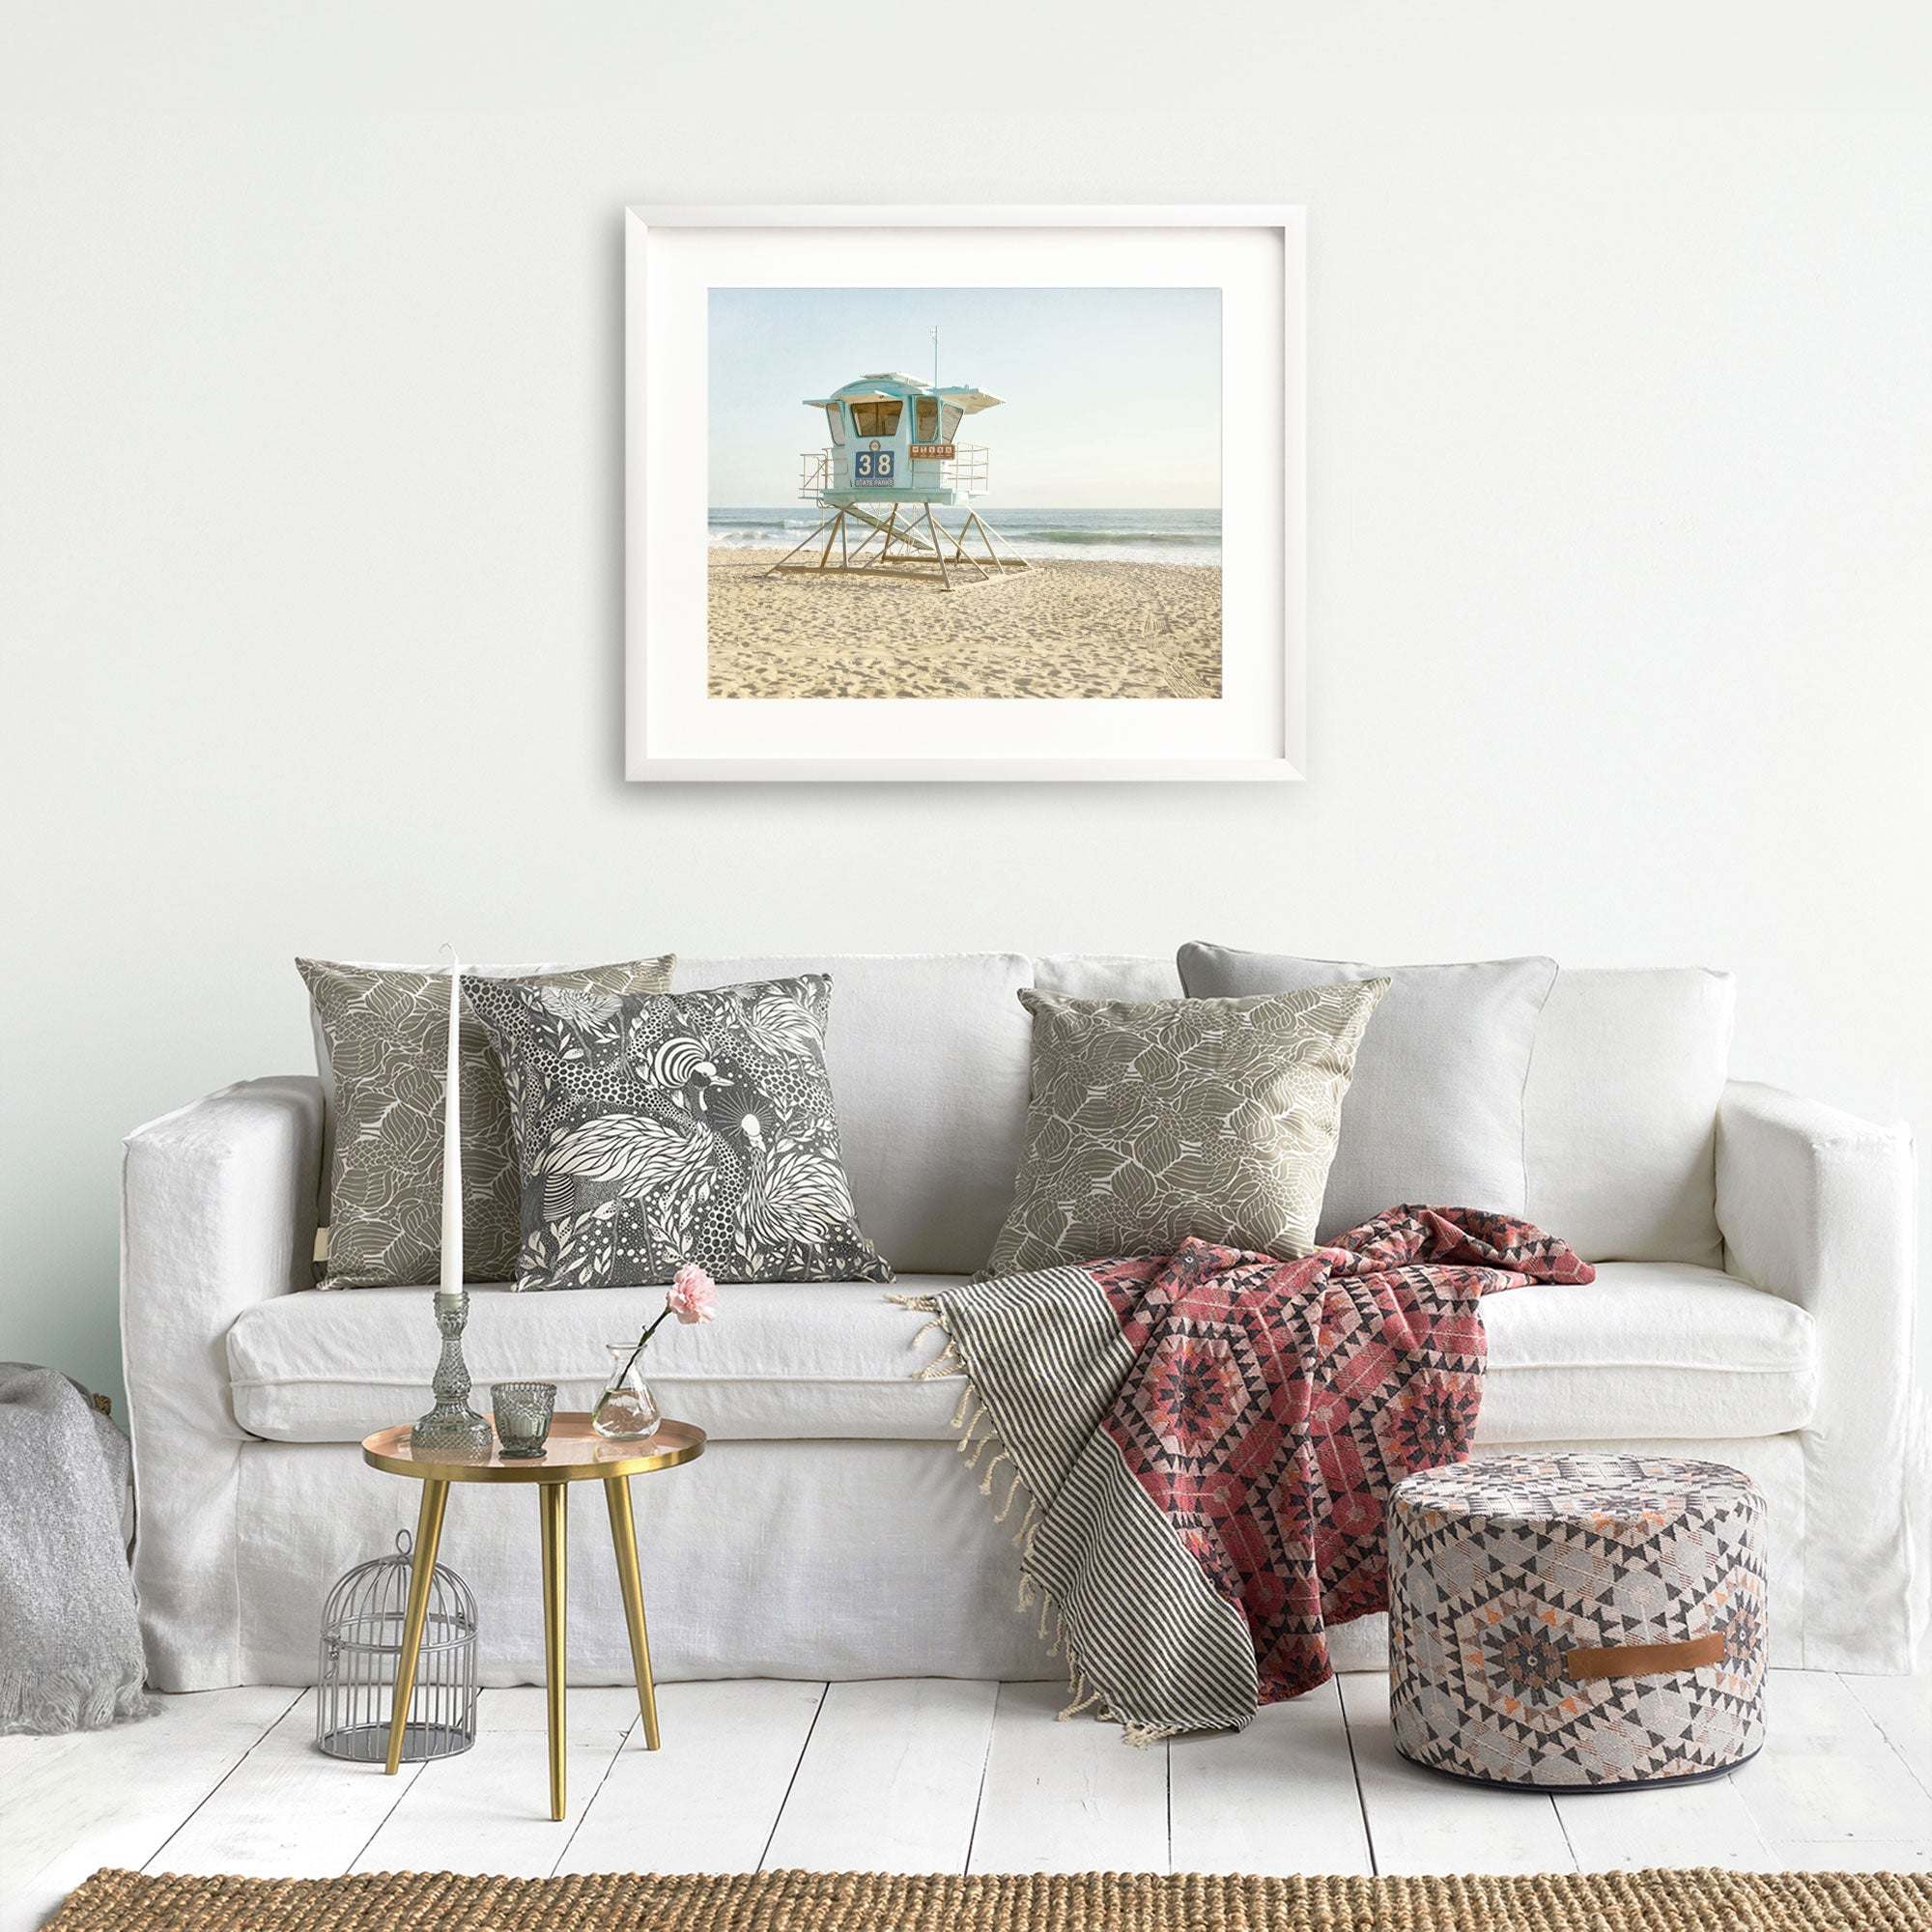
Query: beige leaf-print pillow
point(1153, 1122)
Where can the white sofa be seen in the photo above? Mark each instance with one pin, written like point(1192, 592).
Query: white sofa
point(1754, 1305)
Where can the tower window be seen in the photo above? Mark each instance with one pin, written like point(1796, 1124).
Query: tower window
point(835, 416)
point(877, 418)
point(925, 420)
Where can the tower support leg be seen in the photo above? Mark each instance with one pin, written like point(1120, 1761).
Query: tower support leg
point(938, 555)
point(796, 548)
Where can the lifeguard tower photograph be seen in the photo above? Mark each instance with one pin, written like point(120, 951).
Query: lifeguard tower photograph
point(964, 493)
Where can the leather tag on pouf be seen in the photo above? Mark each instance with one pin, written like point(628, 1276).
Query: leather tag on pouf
point(1644, 1660)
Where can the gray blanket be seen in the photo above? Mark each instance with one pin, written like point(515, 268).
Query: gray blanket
point(69, 1645)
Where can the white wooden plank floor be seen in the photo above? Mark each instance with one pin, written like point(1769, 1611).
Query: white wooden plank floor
point(928, 1775)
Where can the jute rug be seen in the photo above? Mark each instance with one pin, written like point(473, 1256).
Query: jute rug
point(788, 1901)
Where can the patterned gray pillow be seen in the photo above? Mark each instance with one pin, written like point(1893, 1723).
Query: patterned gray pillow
point(1148, 1123)
point(385, 1032)
point(692, 1126)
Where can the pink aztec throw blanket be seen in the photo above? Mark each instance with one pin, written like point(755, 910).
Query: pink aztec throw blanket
point(1205, 1442)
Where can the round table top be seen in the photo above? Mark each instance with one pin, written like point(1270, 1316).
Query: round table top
point(575, 1453)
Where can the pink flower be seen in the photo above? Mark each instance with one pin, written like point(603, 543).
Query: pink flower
point(693, 1294)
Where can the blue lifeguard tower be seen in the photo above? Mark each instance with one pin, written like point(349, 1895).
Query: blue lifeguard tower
point(891, 464)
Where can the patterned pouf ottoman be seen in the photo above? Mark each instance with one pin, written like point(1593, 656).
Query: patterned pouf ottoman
point(1586, 1621)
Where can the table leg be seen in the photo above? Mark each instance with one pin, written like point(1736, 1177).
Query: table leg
point(422, 1570)
point(553, 1503)
point(624, 1538)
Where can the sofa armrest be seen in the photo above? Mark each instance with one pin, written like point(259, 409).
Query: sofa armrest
point(217, 1212)
point(1818, 1205)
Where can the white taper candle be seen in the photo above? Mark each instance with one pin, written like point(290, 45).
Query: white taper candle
point(453, 1143)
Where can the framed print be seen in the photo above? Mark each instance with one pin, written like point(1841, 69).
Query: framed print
point(965, 493)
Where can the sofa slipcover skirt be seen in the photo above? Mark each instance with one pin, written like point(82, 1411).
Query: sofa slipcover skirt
point(1578, 1621)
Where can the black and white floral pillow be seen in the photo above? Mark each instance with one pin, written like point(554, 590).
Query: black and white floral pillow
point(658, 1128)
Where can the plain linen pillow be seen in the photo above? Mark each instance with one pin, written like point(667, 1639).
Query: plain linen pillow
point(1152, 1121)
point(1107, 976)
point(1434, 1113)
point(1621, 1112)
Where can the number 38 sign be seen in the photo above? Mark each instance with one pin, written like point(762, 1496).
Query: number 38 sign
point(872, 465)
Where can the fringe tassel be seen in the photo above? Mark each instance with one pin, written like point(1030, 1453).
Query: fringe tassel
point(948, 1362)
point(986, 1480)
point(1005, 1510)
point(943, 1365)
point(1082, 1698)
point(1030, 1524)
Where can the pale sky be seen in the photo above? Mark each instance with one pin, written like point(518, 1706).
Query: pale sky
point(1111, 398)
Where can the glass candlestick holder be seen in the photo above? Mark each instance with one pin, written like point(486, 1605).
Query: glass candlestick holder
point(452, 1429)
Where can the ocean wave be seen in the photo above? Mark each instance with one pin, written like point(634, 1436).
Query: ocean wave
point(1024, 533)
point(1133, 540)
point(759, 536)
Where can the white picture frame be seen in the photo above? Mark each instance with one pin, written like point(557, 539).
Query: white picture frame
point(1256, 730)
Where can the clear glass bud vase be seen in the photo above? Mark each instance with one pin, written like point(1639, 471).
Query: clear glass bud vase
point(626, 1409)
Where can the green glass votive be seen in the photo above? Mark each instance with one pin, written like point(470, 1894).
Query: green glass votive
point(522, 1412)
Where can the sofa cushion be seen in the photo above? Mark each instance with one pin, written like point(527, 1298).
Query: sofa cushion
point(382, 1035)
point(1107, 976)
point(1433, 1114)
point(1621, 1112)
point(1648, 1351)
point(319, 1037)
point(927, 1055)
point(780, 1360)
point(1154, 1120)
point(654, 1129)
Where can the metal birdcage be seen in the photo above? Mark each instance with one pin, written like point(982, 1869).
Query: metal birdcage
point(362, 1644)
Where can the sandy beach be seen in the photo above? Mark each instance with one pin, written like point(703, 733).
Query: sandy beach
point(1063, 628)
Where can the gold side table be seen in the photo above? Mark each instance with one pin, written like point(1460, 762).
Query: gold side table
point(574, 1454)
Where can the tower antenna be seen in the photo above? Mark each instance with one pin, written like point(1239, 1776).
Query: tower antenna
point(935, 356)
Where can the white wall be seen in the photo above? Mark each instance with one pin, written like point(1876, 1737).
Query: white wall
point(1620, 474)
